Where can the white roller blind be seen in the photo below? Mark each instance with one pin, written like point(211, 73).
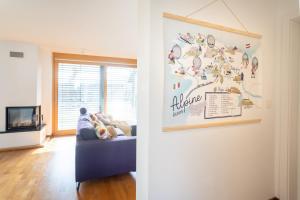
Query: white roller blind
point(121, 93)
point(78, 86)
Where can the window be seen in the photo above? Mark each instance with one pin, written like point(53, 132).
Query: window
point(78, 86)
point(121, 93)
point(84, 81)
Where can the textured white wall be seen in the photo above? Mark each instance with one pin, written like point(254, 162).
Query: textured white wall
point(18, 77)
point(230, 163)
point(143, 128)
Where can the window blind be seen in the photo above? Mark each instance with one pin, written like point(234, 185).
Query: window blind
point(121, 93)
point(78, 86)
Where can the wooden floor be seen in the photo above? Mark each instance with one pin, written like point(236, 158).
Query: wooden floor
point(48, 173)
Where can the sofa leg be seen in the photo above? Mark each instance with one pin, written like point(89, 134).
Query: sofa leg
point(77, 186)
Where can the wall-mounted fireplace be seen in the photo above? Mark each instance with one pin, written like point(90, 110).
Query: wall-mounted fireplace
point(23, 118)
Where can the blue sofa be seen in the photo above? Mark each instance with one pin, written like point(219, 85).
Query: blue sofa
point(96, 158)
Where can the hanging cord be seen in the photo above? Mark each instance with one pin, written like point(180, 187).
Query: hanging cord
point(202, 8)
point(226, 5)
point(235, 16)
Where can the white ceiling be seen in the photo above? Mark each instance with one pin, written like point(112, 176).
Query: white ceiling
point(108, 27)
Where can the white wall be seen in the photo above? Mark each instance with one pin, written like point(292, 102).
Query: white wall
point(143, 100)
point(18, 77)
point(230, 163)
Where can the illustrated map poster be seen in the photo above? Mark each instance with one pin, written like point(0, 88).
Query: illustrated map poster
point(209, 75)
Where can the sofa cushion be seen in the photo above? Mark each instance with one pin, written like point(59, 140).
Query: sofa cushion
point(133, 130)
point(88, 134)
point(84, 122)
point(119, 132)
point(85, 128)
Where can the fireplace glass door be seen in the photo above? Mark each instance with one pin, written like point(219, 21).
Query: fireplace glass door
point(20, 118)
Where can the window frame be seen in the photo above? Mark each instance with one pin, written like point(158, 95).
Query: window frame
point(102, 61)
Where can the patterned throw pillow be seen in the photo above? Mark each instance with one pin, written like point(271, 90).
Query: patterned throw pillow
point(101, 131)
point(112, 131)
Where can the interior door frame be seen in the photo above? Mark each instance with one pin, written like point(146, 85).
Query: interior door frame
point(287, 111)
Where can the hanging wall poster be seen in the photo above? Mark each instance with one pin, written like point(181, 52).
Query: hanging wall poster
point(212, 75)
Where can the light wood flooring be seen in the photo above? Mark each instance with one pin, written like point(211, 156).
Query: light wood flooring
point(48, 174)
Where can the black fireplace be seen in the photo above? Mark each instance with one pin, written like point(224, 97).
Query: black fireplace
point(23, 118)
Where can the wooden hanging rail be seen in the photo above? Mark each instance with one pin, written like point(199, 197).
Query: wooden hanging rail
point(210, 25)
point(211, 124)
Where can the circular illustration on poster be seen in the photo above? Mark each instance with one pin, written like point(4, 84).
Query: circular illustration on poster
point(245, 60)
point(211, 41)
point(175, 53)
point(197, 62)
point(254, 66)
